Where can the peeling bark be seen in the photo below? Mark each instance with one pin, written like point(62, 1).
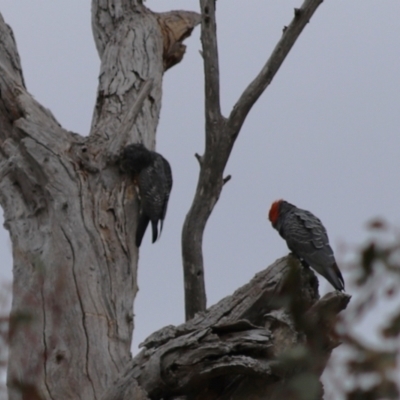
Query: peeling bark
point(72, 214)
point(176, 26)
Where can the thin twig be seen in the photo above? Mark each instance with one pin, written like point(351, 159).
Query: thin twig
point(199, 158)
point(227, 179)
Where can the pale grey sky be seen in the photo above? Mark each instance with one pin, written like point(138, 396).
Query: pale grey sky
point(325, 136)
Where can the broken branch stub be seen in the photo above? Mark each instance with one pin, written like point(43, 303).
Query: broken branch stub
point(176, 26)
point(246, 345)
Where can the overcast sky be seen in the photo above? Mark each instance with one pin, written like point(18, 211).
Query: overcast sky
point(325, 135)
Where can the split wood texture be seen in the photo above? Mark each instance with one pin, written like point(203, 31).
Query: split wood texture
point(270, 333)
point(70, 212)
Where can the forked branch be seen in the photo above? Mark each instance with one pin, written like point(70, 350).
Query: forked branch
point(221, 134)
point(255, 89)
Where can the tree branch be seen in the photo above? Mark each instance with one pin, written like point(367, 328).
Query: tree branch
point(211, 63)
point(105, 18)
point(220, 138)
point(125, 31)
point(21, 115)
point(175, 27)
point(124, 100)
point(263, 79)
point(210, 184)
point(9, 56)
point(244, 338)
point(15, 100)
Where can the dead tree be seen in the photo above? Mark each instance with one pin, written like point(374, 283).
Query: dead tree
point(270, 340)
point(66, 206)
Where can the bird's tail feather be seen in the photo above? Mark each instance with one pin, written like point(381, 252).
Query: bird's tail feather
point(141, 228)
point(161, 226)
point(334, 276)
point(155, 230)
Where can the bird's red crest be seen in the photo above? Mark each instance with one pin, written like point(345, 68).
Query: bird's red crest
point(274, 212)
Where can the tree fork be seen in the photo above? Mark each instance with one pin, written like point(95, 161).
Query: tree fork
point(221, 133)
point(72, 215)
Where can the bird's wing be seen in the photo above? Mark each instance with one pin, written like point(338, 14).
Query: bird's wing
point(151, 191)
point(307, 238)
point(317, 232)
point(153, 185)
point(303, 234)
point(141, 228)
point(167, 187)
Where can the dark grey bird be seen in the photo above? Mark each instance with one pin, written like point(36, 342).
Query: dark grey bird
point(307, 239)
point(152, 175)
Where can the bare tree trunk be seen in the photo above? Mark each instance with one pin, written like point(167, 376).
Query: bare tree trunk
point(71, 214)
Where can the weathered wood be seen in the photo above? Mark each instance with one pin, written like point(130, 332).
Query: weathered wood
point(72, 214)
point(239, 342)
point(221, 134)
point(130, 46)
point(121, 138)
point(176, 26)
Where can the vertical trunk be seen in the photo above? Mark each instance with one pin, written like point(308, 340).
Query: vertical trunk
point(72, 215)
